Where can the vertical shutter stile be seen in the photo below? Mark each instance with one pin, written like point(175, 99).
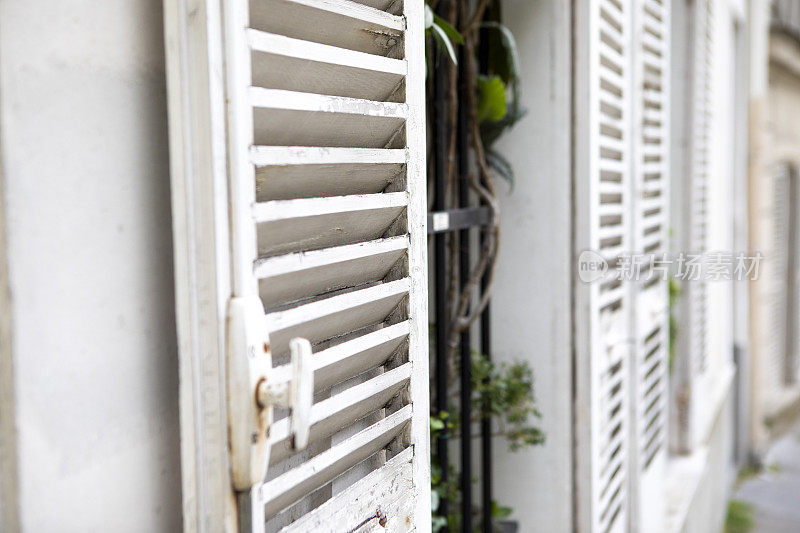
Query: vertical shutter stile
point(326, 155)
point(603, 158)
point(650, 315)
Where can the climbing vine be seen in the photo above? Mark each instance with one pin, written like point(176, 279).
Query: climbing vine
point(479, 55)
point(493, 107)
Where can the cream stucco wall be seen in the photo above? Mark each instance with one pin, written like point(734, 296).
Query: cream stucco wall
point(531, 299)
point(86, 200)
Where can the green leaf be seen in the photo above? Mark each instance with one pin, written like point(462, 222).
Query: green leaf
point(449, 30)
point(491, 131)
point(500, 165)
point(498, 511)
point(504, 392)
point(503, 52)
point(740, 517)
point(443, 42)
point(443, 33)
point(436, 424)
point(491, 98)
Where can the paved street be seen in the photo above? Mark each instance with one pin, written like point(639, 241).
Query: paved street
point(775, 493)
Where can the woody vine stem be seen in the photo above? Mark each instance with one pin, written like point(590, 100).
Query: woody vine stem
point(482, 182)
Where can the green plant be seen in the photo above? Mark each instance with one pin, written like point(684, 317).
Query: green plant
point(491, 98)
point(752, 470)
point(499, 512)
point(503, 393)
point(749, 471)
point(499, 91)
point(481, 103)
point(674, 289)
point(442, 425)
point(739, 518)
point(490, 95)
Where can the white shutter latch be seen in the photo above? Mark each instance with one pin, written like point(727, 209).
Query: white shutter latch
point(297, 394)
point(255, 388)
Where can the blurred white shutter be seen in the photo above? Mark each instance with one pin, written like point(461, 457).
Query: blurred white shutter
point(781, 368)
point(650, 314)
point(792, 343)
point(695, 326)
point(775, 368)
point(603, 160)
point(326, 163)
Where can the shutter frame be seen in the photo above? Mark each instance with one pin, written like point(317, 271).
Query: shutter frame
point(199, 196)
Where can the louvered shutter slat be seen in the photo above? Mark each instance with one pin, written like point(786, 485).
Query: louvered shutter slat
point(281, 62)
point(320, 105)
point(340, 23)
point(605, 211)
point(284, 173)
point(331, 415)
point(295, 484)
point(352, 358)
point(608, 232)
point(612, 81)
point(311, 224)
point(289, 118)
point(296, 276)
point(390, 486)
point(611, 296)
point(610, 188)
point(325, 319)
point(302, 155)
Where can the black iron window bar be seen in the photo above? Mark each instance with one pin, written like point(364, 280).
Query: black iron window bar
point(441, 222)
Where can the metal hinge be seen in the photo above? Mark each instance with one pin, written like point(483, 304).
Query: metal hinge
point(255, 389)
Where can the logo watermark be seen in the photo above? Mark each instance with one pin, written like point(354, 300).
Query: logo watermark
point(683, 266)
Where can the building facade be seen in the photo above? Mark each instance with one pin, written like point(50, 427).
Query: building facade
point(190, 187)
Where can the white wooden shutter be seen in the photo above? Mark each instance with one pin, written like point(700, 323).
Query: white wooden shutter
point(603, 159)
point(792, 343)
point(781, 361)
point(776, 360)
point(338, 124)
point(650, 316)
point(695, 325)
point(326, 162)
